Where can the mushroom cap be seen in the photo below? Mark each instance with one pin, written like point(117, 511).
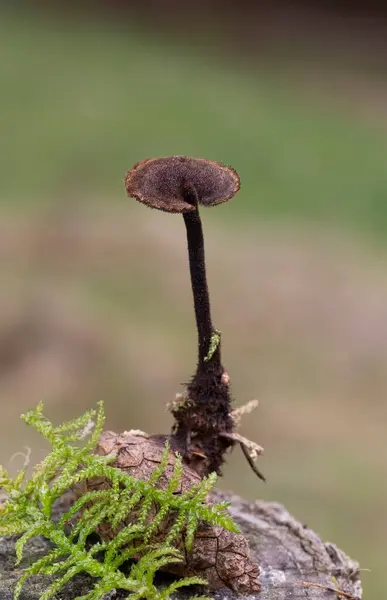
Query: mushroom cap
point(163, 183)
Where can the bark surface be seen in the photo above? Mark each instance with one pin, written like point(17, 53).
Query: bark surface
point(288, 553)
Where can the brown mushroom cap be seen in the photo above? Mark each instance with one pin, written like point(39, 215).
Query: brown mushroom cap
point(160, 182)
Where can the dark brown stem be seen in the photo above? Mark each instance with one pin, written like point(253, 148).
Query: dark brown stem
point(199, 422)
point(197, 267)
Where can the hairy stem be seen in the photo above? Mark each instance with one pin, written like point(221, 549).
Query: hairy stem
point(197, 267)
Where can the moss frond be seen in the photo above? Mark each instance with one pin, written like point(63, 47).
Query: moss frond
point(72, 461)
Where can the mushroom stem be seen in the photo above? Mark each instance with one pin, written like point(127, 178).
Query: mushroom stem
point(179, 184)
point(199, 285)
point(207, 413)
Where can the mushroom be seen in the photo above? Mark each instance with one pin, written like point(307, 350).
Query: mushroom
point(204, 427)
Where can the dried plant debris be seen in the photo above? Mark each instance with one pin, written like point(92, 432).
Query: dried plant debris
point(146, 506)
point(333, 590)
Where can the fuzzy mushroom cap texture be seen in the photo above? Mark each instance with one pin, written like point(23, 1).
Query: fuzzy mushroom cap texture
point(163, 183)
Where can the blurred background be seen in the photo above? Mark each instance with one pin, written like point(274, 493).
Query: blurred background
point(95, 298)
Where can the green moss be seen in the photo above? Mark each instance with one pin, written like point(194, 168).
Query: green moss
point(28, 512)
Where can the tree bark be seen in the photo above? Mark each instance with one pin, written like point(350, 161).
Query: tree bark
point(289, 554)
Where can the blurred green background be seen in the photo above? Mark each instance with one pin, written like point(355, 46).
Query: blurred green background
point(95, 296)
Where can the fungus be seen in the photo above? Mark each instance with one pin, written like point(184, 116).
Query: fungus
point(204, 424)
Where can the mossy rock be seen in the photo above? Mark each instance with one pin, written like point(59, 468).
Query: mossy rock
point(287, 552)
